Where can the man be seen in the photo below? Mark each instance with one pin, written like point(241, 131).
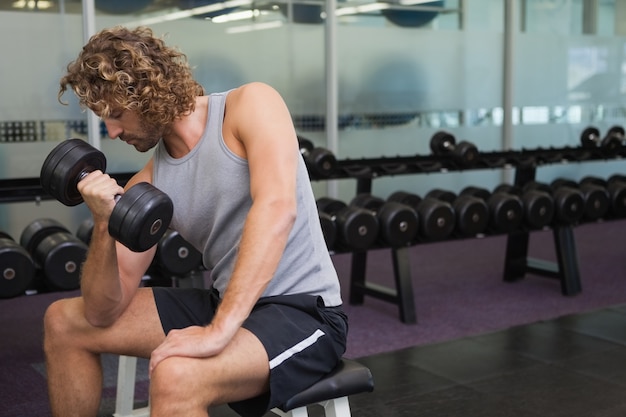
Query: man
point(272, 324)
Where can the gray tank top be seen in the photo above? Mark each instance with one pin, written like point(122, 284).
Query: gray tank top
point(210, 188)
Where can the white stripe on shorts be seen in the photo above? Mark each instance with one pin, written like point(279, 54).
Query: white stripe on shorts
point(299, 347)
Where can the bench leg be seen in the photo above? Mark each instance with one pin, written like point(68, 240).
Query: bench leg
point(339, 407)
point(125, 397)
point(296, 412)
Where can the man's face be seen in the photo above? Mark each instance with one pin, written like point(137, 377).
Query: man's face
point(130, 128)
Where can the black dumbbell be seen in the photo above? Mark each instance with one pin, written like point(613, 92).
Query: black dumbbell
point(56, 251)
point(141, 215)
point(85, 230)
point(357, 228)
point(398, 223)
point(17, 268)
point(569, 203)
point(436, 217)
point(506, 210)
point(472, 214)
point(617, 193)
point(615, 136)
point(176, 256)
point(444, 143)
point(320, 162)
point(612, 141)
point(538, 205)
point(616, 186)
point(596, 197)
point(329, 229)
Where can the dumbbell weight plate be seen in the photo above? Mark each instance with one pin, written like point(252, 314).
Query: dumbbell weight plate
point(617, 130)
point(466, 152)
point(569, 205)
point(367, 201)
point(441, 142)
point(329, 205)
point(305, 144)
point(359, 227)
point(320, 162)
point(64, 167)
point(404, 197)
point(472, 215)
point(441, 194)
point(538, 208)
point(506, 212)
point(329, 229)
point(176, 255)
point(141, 217)
point(589, 137)
point(62, 255)
point(617, 191)
point(398, 224)
point(597, 201)
point(327, 208)
point(17, 269)
point(85, 230)
point(37, 230)
point(436, 219)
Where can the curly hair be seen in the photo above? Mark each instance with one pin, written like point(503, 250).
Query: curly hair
point(121, 69)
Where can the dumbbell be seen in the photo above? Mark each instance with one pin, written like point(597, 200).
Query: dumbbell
point(616, 187)
point(329, 229)
point(397, 222)
point(141, 215)
point(357, 228)
point(319, 161)
point(436, 217)
point(538, 205)
point(472, 214)
point(17, 268)
point(505, 210)
point(85, 230)
point(175, 255)
point(56, 251)
point(444, 143)
point(569, 203)
point(612, 141)
point(596, 197)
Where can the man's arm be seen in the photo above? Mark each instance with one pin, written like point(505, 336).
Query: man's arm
point(266, 131)
point(111, 273)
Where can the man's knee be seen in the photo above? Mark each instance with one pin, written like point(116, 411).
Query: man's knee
point(172, 386)
point(171, 377)
point(59, 322)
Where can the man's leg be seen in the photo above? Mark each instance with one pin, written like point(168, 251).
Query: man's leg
point(187, 387)
point(72, 347)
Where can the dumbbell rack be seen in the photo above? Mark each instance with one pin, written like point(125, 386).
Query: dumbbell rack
point(364, 171)
point(517, 263)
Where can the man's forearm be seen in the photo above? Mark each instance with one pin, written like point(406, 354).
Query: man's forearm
point(100, 280)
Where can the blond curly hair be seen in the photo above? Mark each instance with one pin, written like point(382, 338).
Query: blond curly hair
point(122, 69)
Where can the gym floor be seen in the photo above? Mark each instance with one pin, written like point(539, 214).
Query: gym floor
point(573, 366)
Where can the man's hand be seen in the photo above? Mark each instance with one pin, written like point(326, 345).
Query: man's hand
point(192, 342)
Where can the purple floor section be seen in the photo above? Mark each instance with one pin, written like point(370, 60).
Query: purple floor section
point(459, 290)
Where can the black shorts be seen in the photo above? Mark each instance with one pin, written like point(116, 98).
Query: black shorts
point(304, 339)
